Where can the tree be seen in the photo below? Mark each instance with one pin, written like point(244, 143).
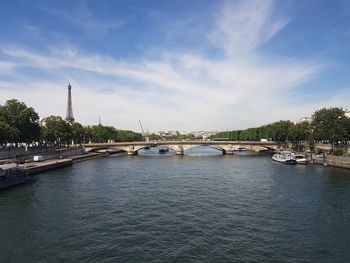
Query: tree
point(57, 130)
point(281, 130)
point(330, 125)
point(102, 133)
point(300, 132)
point(128, 136)
point(25, 120)
point(78, 132)
point(7, 133)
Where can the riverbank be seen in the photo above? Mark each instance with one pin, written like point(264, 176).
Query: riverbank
point(44, 166)
point(334, 161)
point(48, 165)
point(337, 161)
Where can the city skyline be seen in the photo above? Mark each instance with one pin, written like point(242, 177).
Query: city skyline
point(198, 65)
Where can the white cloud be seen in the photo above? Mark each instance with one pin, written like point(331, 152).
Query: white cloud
point(243, 26)
point(7, 66)
point(180, 91)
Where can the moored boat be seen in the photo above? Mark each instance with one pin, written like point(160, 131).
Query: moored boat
point(300, 158)
point(11, 175)
point(163, 150)
point(284, 157)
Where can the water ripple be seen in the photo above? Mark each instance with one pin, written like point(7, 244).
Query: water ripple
point(179, 209)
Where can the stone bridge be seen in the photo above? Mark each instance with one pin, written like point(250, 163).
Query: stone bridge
point(227, 147)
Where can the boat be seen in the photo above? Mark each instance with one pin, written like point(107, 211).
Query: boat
point(284, 157)
point(163, 150)
point(11, 174)
point(300, 158)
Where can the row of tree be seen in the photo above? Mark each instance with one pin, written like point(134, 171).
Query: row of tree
point(175, 137)
point(327, 125)
point(19, 123)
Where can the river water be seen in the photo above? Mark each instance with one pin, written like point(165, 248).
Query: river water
point(201, 207)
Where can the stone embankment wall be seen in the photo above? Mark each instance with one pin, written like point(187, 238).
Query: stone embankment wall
point(9, 153)
point(63, 153)
point(48, 152)
point(338, 161)
point(331, 160)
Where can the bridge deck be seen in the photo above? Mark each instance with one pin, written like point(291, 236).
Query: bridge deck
point(204, 143)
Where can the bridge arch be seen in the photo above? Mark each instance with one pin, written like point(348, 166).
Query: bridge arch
point(226, 147)
point(191, 146)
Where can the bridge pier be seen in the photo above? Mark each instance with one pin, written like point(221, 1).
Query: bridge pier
point(179, 147)
point(132, 151)
point(227, 149)
point(180, 150)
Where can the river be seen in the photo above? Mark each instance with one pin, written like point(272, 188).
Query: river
point(201, 207)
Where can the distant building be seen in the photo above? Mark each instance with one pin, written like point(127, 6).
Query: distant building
point(347, 114)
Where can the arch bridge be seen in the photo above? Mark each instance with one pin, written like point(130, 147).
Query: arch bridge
point(226, 147)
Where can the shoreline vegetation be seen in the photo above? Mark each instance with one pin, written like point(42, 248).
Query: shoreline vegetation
point(21, 125)
point(326, 126)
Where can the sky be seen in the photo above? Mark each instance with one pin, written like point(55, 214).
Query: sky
point(176, 64)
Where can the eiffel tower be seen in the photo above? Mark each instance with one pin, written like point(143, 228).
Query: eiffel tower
point(69, 115)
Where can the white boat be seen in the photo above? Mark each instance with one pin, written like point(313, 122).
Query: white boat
point(163, 150)
point(300, 158)
point(284, 157)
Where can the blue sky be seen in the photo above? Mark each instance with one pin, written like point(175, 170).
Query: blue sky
point(185, 65)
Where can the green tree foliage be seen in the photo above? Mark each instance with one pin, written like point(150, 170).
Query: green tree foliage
point(78, 132)
point(57, 130)
point(301, 132)
point(282, 131)
point(7, 133)
point(23, 120)
point(177, 137)
point(100, 133)
point(330, 125)
point(128, 136)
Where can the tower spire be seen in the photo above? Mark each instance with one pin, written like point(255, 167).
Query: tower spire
point(69, 115)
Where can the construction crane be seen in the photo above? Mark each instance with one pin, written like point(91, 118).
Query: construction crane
point(143, 132)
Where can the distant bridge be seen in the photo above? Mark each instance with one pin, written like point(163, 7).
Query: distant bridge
point(226, 147)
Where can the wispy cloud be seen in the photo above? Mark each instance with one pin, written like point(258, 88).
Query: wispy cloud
point(178, 91)
point(7, 66)
point(244, 26)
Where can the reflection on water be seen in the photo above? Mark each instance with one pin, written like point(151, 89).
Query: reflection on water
point(193, 208)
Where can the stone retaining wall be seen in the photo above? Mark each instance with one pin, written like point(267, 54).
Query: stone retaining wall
point(49, 153)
